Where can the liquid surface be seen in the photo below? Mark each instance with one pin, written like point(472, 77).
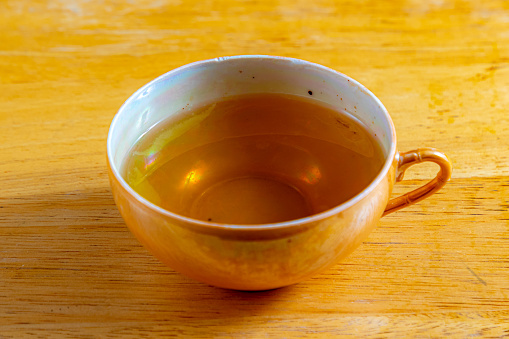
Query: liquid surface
point(254, 159)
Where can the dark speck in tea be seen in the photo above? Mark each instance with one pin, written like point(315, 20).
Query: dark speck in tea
point(342, 123)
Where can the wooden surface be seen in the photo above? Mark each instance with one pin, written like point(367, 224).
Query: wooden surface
point(70, 267)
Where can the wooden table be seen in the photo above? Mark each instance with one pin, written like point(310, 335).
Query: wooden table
point(70, 267)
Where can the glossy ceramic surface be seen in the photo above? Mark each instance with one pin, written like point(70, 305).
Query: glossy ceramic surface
point(258, 257)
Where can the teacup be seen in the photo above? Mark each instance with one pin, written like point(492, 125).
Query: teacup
point(272, 255)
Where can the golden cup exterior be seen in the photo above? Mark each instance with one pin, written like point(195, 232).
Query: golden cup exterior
point(253, 258)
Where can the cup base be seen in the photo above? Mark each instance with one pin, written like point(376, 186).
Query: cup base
point(250, 200)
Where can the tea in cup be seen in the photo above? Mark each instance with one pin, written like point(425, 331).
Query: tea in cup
point(254, 159)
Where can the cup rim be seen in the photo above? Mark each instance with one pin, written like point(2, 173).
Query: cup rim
point(253, 227)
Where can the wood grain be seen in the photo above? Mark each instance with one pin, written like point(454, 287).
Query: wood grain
point(70, 268)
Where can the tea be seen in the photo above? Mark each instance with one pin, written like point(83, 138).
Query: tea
point(254, 159)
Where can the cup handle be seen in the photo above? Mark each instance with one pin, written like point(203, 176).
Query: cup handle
point(407, 159)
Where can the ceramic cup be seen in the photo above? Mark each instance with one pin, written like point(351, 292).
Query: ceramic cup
point(260, 257)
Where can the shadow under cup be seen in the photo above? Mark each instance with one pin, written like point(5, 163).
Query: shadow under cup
point(251, 255)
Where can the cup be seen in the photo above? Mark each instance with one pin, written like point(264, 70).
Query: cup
point(262, 256)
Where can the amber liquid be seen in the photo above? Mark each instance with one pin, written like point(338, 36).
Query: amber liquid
point(254, 159)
